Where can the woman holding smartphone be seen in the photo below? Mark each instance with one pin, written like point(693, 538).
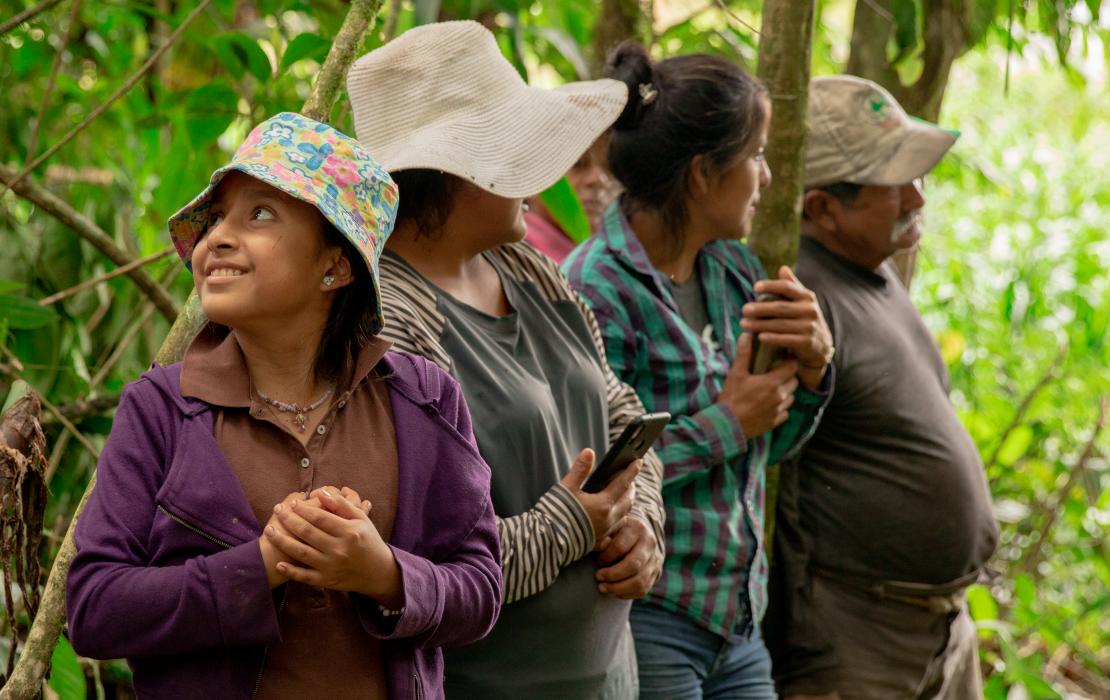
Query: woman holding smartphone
point(673, 288)
point(466, 140)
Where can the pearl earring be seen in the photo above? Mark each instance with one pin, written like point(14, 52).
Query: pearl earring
point(329, 280)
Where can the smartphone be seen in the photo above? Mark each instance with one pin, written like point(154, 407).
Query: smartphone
point(633, 443)
point(764, 356)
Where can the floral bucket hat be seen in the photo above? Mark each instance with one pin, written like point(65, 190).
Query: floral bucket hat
point(316, 164)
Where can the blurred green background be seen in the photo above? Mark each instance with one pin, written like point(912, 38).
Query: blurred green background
point(1012, 273)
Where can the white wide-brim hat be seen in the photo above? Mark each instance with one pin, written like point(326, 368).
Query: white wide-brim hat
point(858, 133)
point(442, 97)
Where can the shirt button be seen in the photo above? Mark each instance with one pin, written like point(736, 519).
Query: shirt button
point(305, 463)
point(320, 430)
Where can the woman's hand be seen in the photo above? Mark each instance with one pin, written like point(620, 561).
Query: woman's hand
point(795, 323)
point(333, 544)
point(606, 507)
point(271, 556)
point(630, 562)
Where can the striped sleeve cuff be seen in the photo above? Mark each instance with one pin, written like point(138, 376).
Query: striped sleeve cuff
point(565, 513)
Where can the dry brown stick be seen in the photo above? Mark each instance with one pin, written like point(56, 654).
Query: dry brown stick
point(120, 92)
point(86, 407)
point(1047, 378)
point(47, 625)
point(87, 229)
point(1033, 556)
point(27, 14)
point(34, 143)
point(89, 284)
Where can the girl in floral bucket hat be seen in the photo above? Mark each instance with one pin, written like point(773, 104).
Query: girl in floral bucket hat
point(294, 510)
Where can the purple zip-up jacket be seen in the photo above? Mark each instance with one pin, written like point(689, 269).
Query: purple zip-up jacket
point(168, 573)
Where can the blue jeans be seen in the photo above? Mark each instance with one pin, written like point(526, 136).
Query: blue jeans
point(680, 660)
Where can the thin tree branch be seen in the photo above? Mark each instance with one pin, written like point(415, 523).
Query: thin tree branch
point(1033, 556)
point(391, 19)
point(87, 229)
point(86, 407)
point(729, 11)
point(333, 73)
point(1047, 378)
point(47, 625)
point(89, 284)
point(73, 17)
point(120, 92)
point(27, 14)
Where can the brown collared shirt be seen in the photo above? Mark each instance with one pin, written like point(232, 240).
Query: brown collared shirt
point(324, 650)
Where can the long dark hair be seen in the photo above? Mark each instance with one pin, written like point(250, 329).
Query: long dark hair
point(703, 104)
point(351, 317)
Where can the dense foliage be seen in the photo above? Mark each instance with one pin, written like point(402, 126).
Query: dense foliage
point(1013, 275)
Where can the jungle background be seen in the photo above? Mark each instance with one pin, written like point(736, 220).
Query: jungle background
point(1012, 274)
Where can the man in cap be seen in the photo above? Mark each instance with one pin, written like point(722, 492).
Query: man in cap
point(885, 516)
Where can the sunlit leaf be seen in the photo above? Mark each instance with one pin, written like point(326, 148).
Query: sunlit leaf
point(305, 46)
point(67, 678)
point(565, 207)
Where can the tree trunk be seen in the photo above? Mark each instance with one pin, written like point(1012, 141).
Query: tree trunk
point(617, 21)
point(945, 37)
point(34, 662)
point(784, 58)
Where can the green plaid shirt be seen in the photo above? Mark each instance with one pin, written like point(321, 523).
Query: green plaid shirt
point(713, 487)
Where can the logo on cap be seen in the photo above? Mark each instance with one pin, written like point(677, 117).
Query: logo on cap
point(880, 110)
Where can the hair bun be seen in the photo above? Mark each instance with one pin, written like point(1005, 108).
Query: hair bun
point(631, 64)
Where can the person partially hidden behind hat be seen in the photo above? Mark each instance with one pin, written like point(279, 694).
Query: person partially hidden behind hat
point(466, 141)
point(280, 515)
point(595, 188)
point(885, 517)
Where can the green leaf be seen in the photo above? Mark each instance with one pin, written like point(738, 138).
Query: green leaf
point(566, 209)
point(7, 286)
point(1016, 445)
point(305, 46)
point(67, 678)
point(905, 25)
point(565, 45)
point(981, 603)
point(22, 313)
point(211, 109)
point(240, 54)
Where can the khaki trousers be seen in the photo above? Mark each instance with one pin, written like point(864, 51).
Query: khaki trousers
point(892, 650)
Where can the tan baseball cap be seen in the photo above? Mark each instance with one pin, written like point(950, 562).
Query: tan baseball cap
point(859, 133)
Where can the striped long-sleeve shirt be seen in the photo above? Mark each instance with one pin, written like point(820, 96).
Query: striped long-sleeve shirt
point(713, 484)
point(538, 543)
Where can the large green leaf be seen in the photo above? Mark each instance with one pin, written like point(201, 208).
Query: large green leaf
point(211, 109)
point(241, 54)
point(566, 209)
point(67, 678)
point(22, 313)
point(305, 46)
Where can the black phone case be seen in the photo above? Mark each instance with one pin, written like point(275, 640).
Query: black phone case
point(634, 442)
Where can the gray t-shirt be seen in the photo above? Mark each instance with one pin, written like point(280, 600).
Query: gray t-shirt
point(891, 487)
point(690, 297)
point(536, 391)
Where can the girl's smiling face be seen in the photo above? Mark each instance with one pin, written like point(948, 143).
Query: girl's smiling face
point(263, 257)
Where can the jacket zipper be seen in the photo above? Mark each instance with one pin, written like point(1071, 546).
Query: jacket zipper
point(417, 686)
point(225, 545)
point(266, 651)
point(194, 528)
